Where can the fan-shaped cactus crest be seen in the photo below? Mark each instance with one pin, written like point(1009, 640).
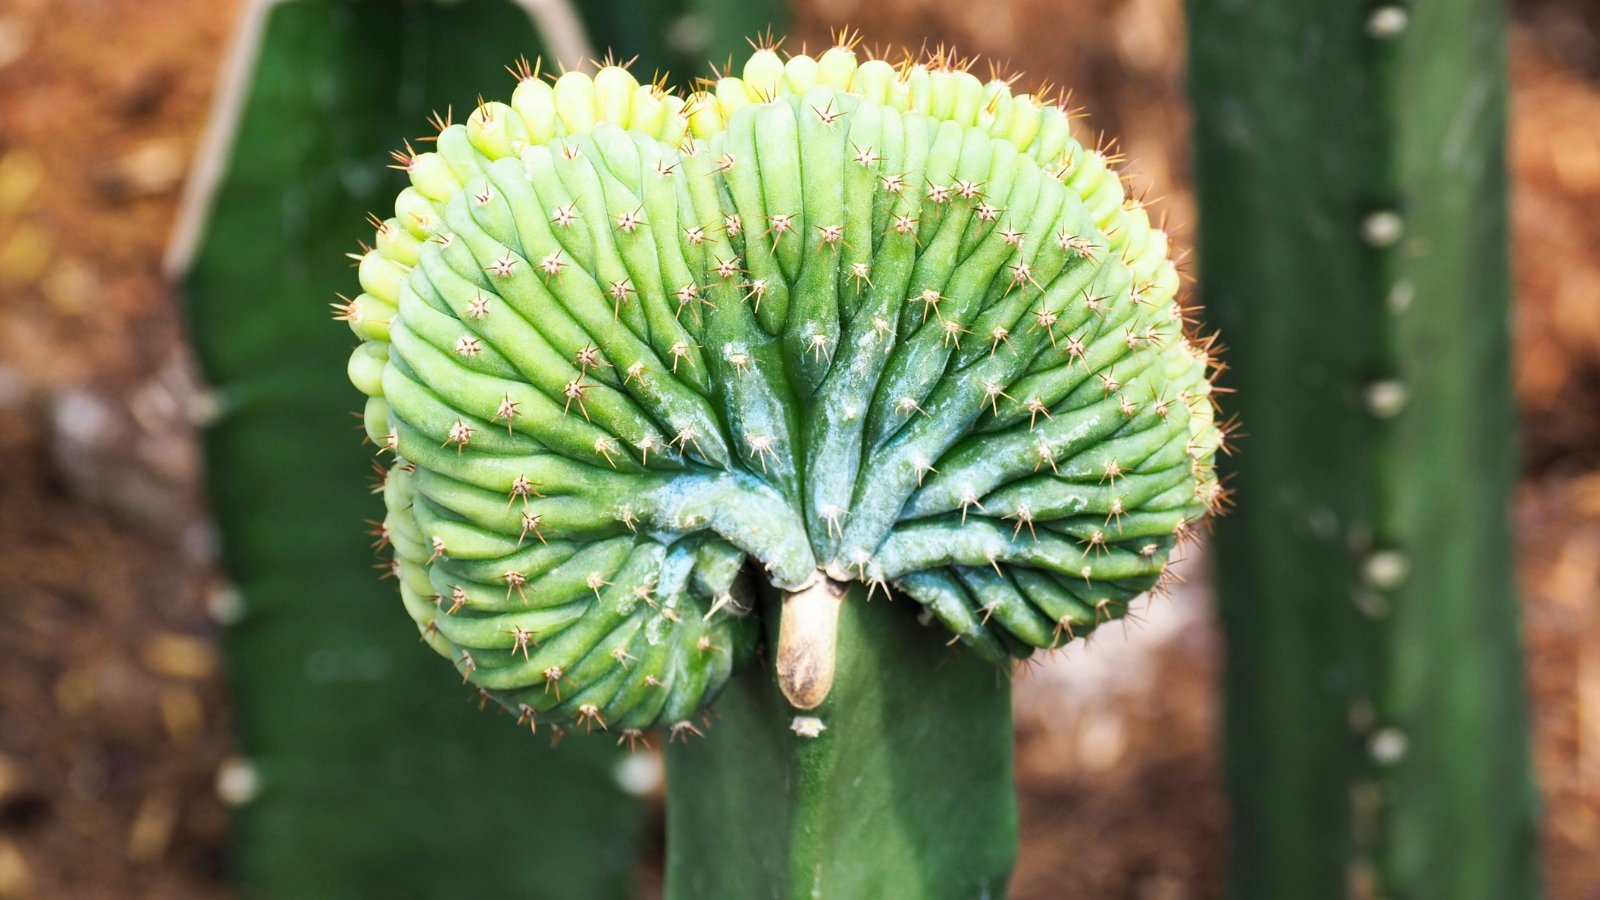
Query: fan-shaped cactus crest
point(826, 321)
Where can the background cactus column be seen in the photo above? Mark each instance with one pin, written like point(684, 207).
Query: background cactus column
point(1354, 248)
point(377, 778)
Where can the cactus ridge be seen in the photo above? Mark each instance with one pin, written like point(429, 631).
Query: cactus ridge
point(887, 323)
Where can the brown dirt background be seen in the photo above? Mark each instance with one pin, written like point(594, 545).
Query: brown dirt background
point(113, 717)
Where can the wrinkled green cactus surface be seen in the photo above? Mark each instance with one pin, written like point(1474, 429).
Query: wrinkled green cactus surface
point(828, 321)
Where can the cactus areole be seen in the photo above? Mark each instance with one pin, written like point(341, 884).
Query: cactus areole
point(655, 370)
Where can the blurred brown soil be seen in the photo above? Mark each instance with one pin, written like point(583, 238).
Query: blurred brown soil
point(113, 719)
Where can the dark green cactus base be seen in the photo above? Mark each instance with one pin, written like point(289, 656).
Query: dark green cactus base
point(378, 777)
point(1354, 249)
point(906, 796)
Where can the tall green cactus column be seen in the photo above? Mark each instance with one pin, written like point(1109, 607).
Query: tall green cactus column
point(1353, 243)
point(375, 777)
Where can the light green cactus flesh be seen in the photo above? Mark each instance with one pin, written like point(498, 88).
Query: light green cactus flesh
point(827, 319)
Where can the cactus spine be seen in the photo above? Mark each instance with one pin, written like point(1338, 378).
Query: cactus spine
point(680, 36)
point(369, 770)
point(648, 364)
point(1354, 246)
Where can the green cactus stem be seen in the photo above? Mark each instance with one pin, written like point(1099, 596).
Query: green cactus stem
point(1352, 191)
point(852, 798)
point(644, 359)
point(370, 772)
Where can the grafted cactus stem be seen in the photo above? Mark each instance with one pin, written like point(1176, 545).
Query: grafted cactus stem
point(830, 327)
point(897, 786)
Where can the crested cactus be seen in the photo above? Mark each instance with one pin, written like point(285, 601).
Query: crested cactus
point(656, 370)
point(1352, 188)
